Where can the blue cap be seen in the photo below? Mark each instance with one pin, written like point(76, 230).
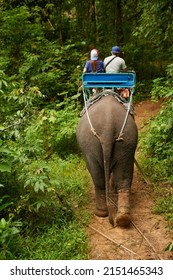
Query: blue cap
point(116, 49)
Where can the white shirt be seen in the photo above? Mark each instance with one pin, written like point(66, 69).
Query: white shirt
point(116, 65)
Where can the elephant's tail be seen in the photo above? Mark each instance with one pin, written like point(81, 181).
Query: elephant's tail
point(107, 150)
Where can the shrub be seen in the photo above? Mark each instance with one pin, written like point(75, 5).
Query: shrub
point(156, 149)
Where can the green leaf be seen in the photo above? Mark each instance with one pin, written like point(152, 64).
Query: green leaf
point(3, 206)
point(5, 150)
point(169, 247)
point(5, 167)
point(52, 119)
point(3, 223)
point(14, 230)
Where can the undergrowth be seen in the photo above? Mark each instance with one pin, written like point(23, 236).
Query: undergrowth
point(156, 149)
point(44, 181)
point(48, 212)
point(55, 243)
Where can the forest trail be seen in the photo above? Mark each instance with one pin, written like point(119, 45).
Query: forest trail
point(148, 235)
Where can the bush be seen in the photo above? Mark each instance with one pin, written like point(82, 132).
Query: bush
point(157, 141)
point(8, 231)
point(51, 194)
point(156, 149)
point(44, 185)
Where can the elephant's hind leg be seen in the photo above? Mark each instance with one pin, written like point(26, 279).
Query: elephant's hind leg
point(123, 174)
point(123, 214)
point(97, 174)
point(101, 206)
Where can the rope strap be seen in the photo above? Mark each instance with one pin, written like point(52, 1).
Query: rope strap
point(120, 137)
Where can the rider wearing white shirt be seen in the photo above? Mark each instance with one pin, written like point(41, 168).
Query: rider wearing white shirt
point(114, 63)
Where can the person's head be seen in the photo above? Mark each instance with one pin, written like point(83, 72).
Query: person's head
point(94, 54)
point(115, 50)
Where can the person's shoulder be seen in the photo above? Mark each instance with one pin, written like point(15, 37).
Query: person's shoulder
point(88, 62)
point(120, 58)
point(107, 58)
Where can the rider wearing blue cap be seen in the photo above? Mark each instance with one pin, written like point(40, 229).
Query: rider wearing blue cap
point(114, 63)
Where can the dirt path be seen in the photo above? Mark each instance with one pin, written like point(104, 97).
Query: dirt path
point(148, 236)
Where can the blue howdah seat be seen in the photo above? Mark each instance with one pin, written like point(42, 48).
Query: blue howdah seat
point(109, 80)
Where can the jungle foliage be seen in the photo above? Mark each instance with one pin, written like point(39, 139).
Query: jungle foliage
point(43, 48)
point(157, 146)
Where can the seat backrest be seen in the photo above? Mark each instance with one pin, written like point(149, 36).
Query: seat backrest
point(109, 80)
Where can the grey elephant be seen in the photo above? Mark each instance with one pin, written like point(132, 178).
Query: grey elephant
point(109, 156)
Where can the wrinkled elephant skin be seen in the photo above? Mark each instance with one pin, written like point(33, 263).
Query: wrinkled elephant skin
point(110, 162)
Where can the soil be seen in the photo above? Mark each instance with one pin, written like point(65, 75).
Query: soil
point(148, 235)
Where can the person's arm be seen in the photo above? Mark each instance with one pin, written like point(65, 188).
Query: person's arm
point(124, 70)
point(123, 67)
point(85, 67)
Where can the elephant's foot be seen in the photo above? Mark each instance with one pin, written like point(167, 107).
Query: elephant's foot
point(101, 212)
point(123, 214)
point(101, 207)
point(123, 220)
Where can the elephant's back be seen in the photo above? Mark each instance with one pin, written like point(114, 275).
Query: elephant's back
point(108, 110)
point(106, 116)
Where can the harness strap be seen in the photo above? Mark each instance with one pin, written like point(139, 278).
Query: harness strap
point(86, 110)
point(120, 138)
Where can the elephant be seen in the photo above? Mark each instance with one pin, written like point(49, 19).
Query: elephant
point(109, 156)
